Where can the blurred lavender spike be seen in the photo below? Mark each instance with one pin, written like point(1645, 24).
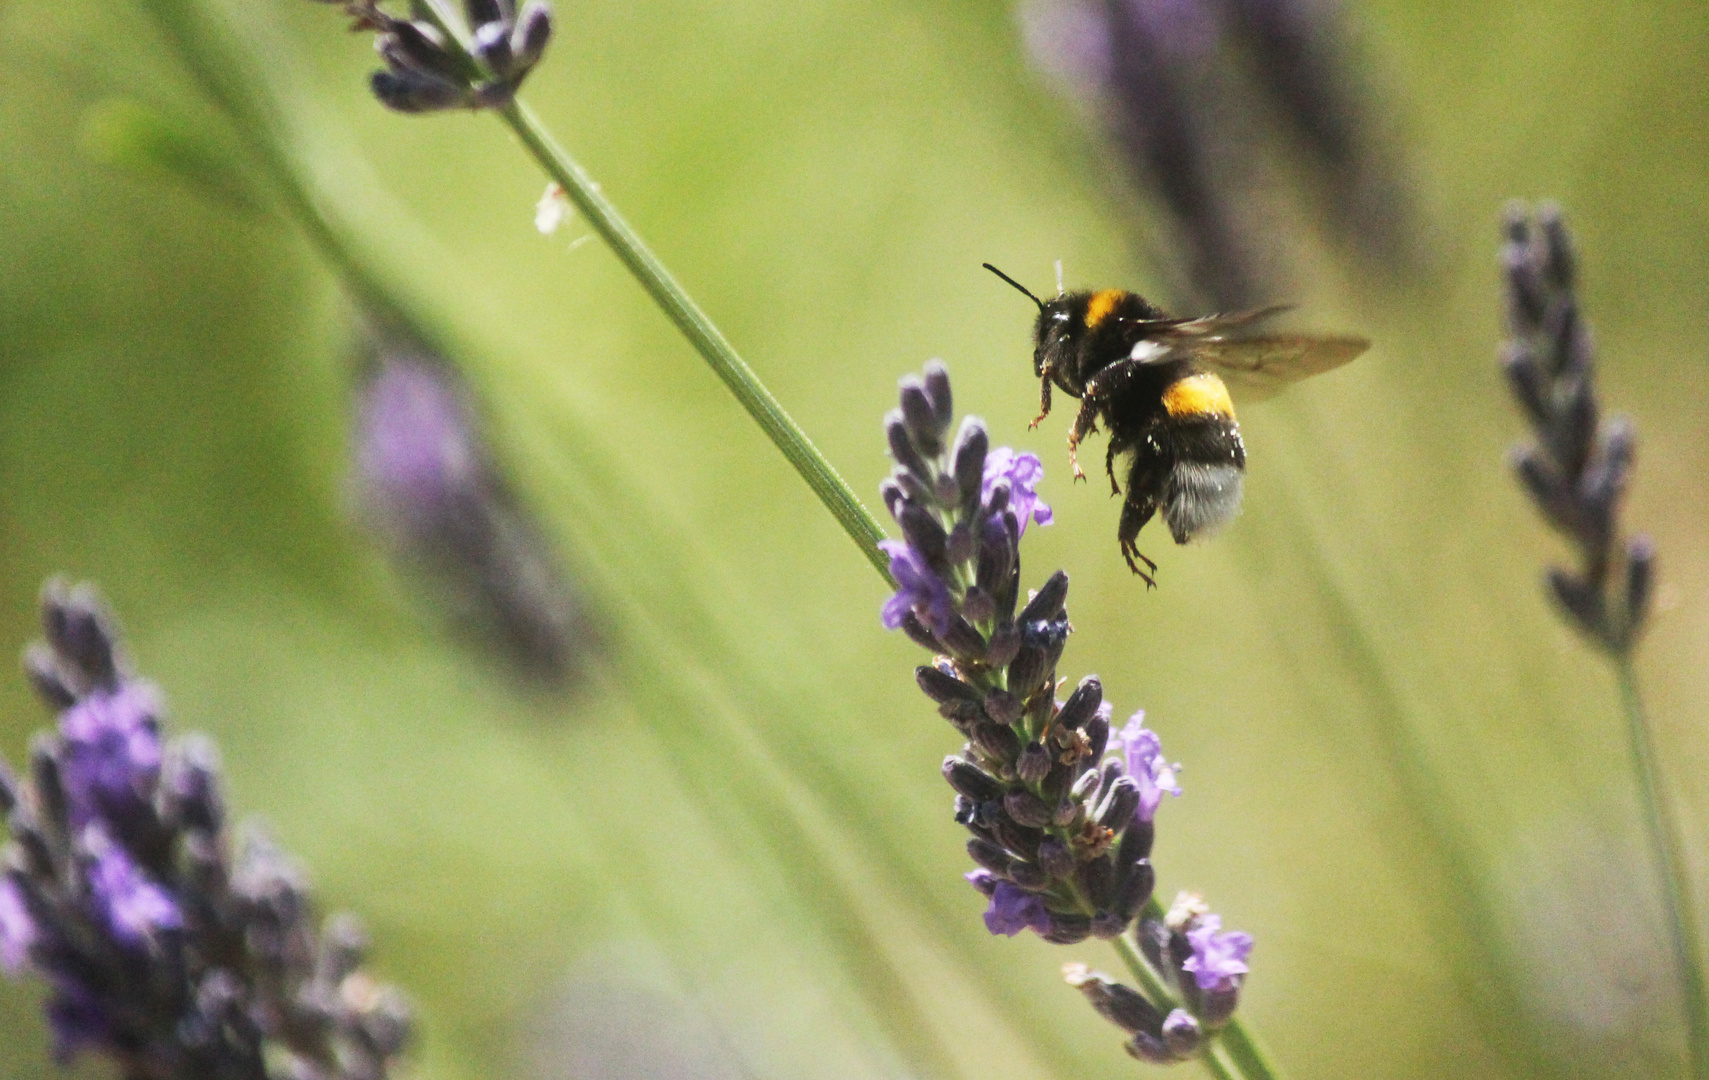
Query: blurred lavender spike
point(426, 485)
point(163, 950)
point(1576, 469)
point(1187, 89)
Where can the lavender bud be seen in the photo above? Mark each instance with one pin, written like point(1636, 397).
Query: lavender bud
point(990, 856)
point(1066, 812)
point(1136, 841)
point(1150, 1048)
point(914, 489)
point(493, 47)
point(1027, 669)
point(1046, 604)
point(1005, 645)
point(1002, 707)
point(1022, 840)
point(1098, 881)
point(1640, 577)
point(1526, 380)
point(1034, 763)
point(944, 688)
point(1028, 876)
point(1119, 804)
point(1124, 1007)
point(924, 534)
point(937, 389)
point(79, 630)
point(1133, 890)
point(891, 492)
point(902, 448)
point(972, 443)
point(1055, 858)
point(52, 807)
point(921, 419)
point(1583, 603)
point(997, 742)
point(1182, 1034)
point(1097, 735)
point(996, 500)
point(190, 785)
point(1107, 925)
point(963, 641)
point(1082, 703)
point(962, 547)
point(1067, 929)
point(48, 677)
point(977, 605)
point(1086, 787)
point(415, 92)
point(481, 12)
point(418, 47)
point(533, 31)
point(1027, 809)
point(919, 634)
point(970, 780)
point(1216, 1006)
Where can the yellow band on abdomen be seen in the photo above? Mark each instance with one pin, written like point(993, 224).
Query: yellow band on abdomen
point(1198, 395)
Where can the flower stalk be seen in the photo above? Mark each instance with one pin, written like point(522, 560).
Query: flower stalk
point(1576, 472)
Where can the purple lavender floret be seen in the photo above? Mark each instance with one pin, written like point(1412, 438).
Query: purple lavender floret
point(112, 752)
point(1142, 753)
point(122, 892)
point(17, 931)
point(1219, 958)
point(918, 590)
point(1023, 472)
point(1014, 909)
point(132, 908)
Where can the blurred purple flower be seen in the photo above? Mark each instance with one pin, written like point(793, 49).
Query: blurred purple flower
point(17, 930)
point(134, 908)
point(1142, 753)
point(1219, 959)
point(112, 751)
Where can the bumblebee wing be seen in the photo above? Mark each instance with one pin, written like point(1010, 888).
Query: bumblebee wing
point(1258, 367)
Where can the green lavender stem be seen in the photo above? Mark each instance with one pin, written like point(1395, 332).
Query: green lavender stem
point(1676, 893)
point(700, 331)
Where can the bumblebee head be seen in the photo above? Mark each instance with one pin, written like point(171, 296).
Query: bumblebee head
point(1053, 327)
point(1058, 327)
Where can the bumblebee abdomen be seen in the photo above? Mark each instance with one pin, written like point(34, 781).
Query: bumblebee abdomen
point(1197, 395)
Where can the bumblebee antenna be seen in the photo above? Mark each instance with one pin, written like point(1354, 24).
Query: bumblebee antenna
point(1016, 284)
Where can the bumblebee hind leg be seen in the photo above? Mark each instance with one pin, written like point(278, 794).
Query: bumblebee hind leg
point(1136, 512)
point(1116, 446)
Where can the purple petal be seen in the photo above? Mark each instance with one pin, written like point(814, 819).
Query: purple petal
point(17, 929)
point(1219, 959)
point(134, 908)
point(1013, 909)
point(1023, 472)
point(1142, 752)
point(918, 589)
point(112, 757)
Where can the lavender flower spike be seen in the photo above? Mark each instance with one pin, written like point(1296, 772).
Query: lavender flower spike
point(163, 950)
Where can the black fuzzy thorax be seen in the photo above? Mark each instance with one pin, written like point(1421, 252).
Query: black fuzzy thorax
point(1074, 352)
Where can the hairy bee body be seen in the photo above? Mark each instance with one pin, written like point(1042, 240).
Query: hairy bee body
point(1156, 384)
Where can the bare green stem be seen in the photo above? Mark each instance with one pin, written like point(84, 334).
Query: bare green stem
point(1670, 859)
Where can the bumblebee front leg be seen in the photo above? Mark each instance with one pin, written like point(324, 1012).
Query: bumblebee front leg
point(1135, 513)
point(1085, 423)
point(1043, 402)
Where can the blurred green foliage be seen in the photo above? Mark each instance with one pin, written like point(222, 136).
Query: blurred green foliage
point(1403, 775)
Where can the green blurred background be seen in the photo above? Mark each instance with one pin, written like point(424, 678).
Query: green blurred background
point(730, 853)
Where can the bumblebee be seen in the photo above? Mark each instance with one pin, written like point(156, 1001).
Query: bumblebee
point(1161, 387)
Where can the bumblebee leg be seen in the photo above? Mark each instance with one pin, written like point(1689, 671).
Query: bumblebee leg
point(1085, 423)
point(1135, 514)
point(1043, 402)
point(1110, 464)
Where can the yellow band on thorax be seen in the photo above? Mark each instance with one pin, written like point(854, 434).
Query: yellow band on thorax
point(1102, 303)
point(1198, 395)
